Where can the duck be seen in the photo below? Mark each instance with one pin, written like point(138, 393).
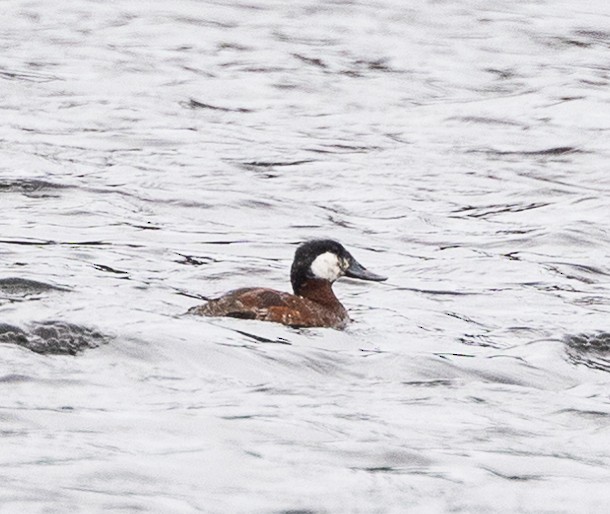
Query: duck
point(316, 266)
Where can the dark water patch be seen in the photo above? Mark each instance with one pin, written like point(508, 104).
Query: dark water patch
point(52, 337)
point(27, 76)
point(376, 64)
point(205, 22)
point(562, 99)
point(580, 272)
point(323, 42)
point(571, 98)
point(108, 269)
point(26, 242)
point(515, 231)
point(491, 210)
point(22, 287)
point(355, 74)
point(501, 74)
point(261, 339)
point(566, 41)
point(270, 165)
point(360, 67)
point(545, 152)
point(149, 226)
point(256, 69)
point(275, 390)
point(583, 39)
point(233, 46)
point(485, 120)
point(398, 137)
point(192, 260)
point(544, 286)
point(339, 148)
point(381, 469)
point(12, 335)
point(592, 414)
point(594, 83)
point(311, 60)
point(29, 187)
point(286, 86)
point(196, 104)
point(43, 242)
point(513, 256)
point(479, 340)
point(463, 317)
point(520, 478)
point(599, 35)
point(13, 378)
point(196, 296)
point(591, 350)
point(339, 222)
point(592, 301)
point(447, 355)
point(224, 242)
point(440, 382)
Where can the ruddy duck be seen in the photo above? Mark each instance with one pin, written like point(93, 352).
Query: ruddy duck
point(317, 264)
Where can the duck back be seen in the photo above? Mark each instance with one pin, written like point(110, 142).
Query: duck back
point(271, 305)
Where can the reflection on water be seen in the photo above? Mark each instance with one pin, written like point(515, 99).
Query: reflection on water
point(152, 158)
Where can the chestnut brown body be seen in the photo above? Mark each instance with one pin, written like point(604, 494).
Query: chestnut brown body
point(317, 264)
point(315, 306)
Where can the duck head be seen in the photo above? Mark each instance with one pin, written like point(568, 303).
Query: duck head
point(325, 259)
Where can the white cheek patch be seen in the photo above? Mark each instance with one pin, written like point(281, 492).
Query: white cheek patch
point(326, 266)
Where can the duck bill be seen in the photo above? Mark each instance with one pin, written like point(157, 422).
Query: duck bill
point(357, 270)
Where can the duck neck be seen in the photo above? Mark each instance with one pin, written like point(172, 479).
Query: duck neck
point(319, 291)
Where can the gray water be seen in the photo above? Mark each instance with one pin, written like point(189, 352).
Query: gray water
point(156, 153)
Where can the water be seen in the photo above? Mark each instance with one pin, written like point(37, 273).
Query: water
point(156, 154)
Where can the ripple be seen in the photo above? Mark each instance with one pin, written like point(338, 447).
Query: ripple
point(582, 273)
point(29, 187)
point(484, 120)
point(196, 104)
point(53, 337)
point(491, 210)
point(24, 287)
point(27, 76)
point(16, 289)
point(171, 149)
point(591, 350)
point(545, 152)
point(314, 61)
point(274, 164)
point(108, 269)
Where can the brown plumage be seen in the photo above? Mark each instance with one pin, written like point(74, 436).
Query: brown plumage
point(317, 307)
point(317, 264)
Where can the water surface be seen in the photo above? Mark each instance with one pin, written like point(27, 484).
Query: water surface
point(156, 155)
